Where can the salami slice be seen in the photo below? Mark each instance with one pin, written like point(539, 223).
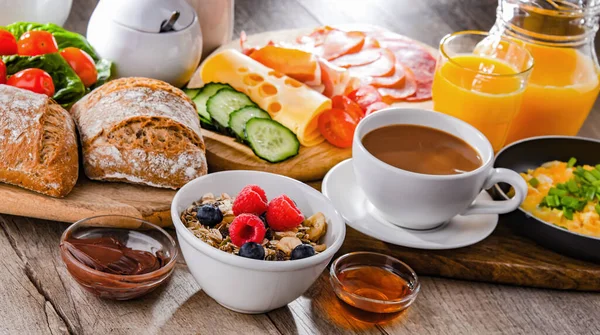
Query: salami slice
point(391, 95)
point(384, 66)
point(363, 57)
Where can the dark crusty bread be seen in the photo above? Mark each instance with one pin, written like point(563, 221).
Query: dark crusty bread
point(141, 131)
point(38, 144)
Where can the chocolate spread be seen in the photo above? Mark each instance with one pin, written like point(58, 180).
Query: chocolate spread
point(109, 255)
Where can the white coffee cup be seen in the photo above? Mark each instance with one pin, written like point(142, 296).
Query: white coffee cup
point(421, 201)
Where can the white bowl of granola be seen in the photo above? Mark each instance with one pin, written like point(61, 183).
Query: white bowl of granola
point(254, 285)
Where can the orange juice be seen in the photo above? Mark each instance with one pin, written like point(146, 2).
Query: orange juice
point(484, 92)
point(561, 91)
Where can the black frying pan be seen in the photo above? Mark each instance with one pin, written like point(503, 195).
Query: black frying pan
point(530, 154)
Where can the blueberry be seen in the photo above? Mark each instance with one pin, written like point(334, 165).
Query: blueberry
point(263, 217)
point(302, 251)
point(252, 250)
point(209, 215)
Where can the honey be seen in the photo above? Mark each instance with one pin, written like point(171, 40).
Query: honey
point(373, 283)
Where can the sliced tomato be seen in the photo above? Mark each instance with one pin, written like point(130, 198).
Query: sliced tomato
point(35, 80)
point(8, 43)
point(337, 127)
point(375, 107)
point(36, 42)
point(394, 81)
point(82, 64)
point(338, 43)
point(2, 72)
point(383, 66)
point(365, 96)
point(363, 57)
point(346, 104)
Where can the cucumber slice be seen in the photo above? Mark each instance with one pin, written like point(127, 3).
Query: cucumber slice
point(191, 92)
point(238, 119)
point(270, 140)
point(204, 94)
point(225, 102)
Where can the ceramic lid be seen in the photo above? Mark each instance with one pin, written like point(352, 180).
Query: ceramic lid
point(148, 15)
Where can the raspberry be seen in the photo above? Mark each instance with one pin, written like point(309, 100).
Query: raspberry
point(246, 228)
point(249, 202)
point(256, 189)
point(282, 214)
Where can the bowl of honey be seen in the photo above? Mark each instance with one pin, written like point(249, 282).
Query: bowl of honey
point(374, 282)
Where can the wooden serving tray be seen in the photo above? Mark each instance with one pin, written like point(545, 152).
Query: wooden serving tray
point(225, 153)
point(501, 258)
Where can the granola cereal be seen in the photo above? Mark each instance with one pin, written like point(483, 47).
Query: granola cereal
point(278, 245)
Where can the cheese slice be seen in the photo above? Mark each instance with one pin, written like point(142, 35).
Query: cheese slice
point(287, 100)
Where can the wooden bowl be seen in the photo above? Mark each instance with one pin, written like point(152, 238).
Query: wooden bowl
point(530, 154)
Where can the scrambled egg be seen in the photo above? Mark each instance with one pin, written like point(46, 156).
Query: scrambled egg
point(586, 222)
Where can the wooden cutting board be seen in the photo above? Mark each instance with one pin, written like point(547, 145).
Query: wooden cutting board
point(224, 153)
point(501, 258)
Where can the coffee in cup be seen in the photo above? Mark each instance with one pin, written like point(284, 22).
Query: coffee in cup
point(421, 168)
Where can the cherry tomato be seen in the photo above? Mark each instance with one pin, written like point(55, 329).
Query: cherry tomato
point(344, 103)
point(374, 107)
point(337, 127)
point(34, 80)
point(2, 72)
point(82, 64)
point(34, 43)
point(8, 43)
point(365, 96)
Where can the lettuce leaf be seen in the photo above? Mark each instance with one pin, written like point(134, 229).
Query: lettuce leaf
point(64, 38)
point(67, 84)
point(69, 87)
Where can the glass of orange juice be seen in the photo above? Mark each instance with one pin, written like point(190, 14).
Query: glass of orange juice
point(480, 79)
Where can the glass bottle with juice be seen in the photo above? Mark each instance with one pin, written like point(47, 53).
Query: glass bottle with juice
point(564, 82)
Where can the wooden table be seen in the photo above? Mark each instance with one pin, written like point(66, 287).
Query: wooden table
point(37, 295)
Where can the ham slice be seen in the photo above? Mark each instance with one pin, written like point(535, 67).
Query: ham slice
point(394, 81)
point(384, 66)
point(338, 43)
point(363, 57)
point(409, 88)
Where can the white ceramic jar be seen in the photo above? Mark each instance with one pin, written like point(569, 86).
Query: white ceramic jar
point(128, 33)
point(41, 11)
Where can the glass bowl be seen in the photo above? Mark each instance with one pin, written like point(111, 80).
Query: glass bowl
point(134, 233)
point(383, 295)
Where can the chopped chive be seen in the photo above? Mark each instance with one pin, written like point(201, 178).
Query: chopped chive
point(558, 192)
point(595, 173)
point(572, 186)
point(534, 182)
point(598, 166)
point(598, 208)
point(571, 162)
point(590, 193)
point(569, 202)
point(579, 171)
point(568, 213)
point(561, 186)
point(589, 177)
point(596, 183)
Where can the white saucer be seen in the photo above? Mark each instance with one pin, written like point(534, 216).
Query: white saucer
point(339, 185)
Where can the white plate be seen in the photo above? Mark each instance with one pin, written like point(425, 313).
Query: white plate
point(339, 185)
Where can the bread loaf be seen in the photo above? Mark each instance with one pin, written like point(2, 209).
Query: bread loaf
point(38, 144)
point(141, 131)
